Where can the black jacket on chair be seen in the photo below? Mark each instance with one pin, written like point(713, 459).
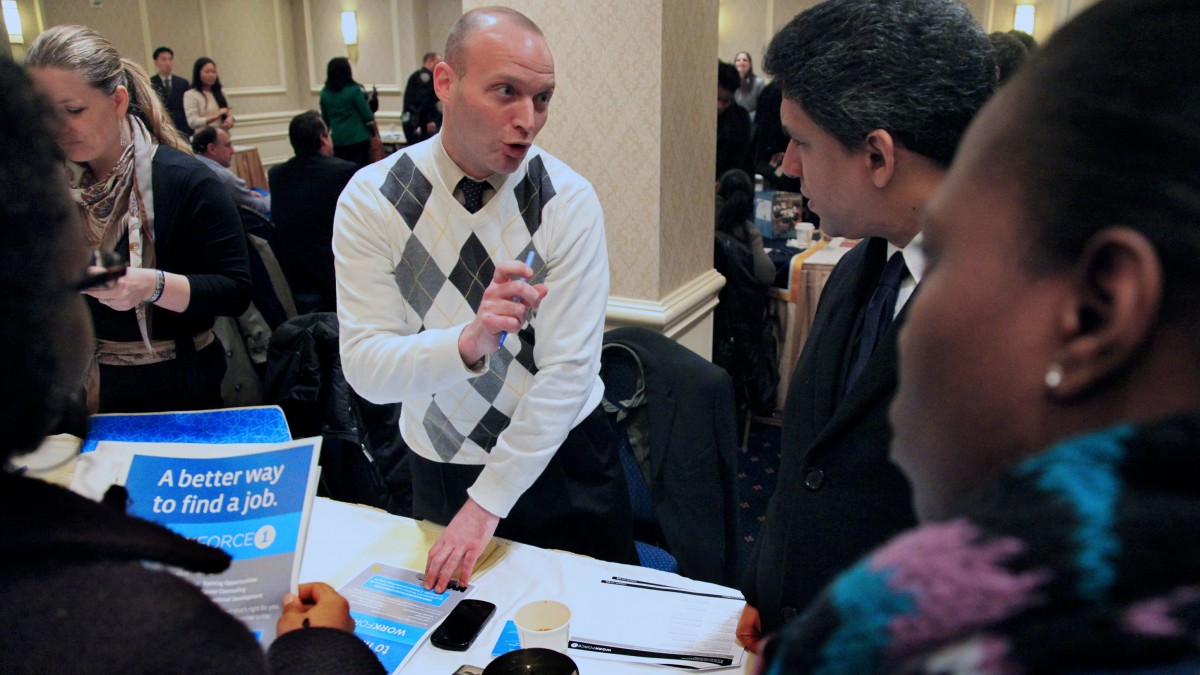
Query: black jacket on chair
point(693, 453)
point(363, 458)
point(839, 495)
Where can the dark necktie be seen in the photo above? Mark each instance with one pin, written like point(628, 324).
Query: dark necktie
point(473, 193)
point(167, 87)
point(878, 315)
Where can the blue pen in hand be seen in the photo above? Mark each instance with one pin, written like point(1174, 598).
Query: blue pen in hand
point(529, 264)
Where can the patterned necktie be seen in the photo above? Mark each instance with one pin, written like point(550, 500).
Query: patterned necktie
point(878, 315)
point(473, 193)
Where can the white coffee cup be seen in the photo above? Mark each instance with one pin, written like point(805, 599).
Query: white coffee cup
point(543, 623)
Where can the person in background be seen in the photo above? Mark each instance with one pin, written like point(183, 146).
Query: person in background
point(422, 113)
point(1010, 55)
point(143, 196)
point(1026, 39)
point(770, 142)
point(170, 88)
point(876, 95)
point(205, 104)
point(1049, 405)
point(214, 149)
point(344, 108)
point(750, 85)
point(735, 220)
point(733, 124)
point(306, 190)
point(505, 422)
point(743, 338)
point(65, 558)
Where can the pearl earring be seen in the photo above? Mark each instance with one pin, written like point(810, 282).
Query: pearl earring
point(1054, 376)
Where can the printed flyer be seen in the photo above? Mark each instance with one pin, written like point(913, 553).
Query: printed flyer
point(392, 611)
point(250, 500)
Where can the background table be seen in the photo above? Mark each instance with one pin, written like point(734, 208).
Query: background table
point(795, 307)
point(341, 533)
point(248, 166)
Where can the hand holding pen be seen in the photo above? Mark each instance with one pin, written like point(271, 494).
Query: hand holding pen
point(529, 264)
point(506, 303)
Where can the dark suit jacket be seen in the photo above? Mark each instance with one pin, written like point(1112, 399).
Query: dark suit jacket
point(174, 104)
point(304, 194)
point(838, 495)
point(693, 455)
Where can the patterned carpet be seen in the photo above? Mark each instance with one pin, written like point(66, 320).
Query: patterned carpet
point(758, 465)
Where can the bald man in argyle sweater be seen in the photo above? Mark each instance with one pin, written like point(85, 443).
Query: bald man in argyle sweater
point(507, 430)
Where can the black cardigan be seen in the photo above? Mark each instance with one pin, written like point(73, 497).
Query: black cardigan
point(197, 233)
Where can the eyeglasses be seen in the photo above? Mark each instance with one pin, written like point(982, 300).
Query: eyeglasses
point(114, 268)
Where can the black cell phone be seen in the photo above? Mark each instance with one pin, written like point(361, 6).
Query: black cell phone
point(460, 628)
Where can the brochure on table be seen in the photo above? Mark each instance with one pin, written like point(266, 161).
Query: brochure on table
point(393, 613)
point(251, 500)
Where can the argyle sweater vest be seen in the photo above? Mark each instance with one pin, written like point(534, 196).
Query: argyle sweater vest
point(440, 260)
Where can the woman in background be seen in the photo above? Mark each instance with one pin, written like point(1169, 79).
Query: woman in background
point(65, 560)
point(143, 196)
point(1048, 413)
point(746, 95)
point(344, 107)
point(735, 223)
point(204, 104)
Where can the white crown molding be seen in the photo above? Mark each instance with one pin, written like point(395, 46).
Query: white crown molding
point(674, 314)
point(251, 119)
point(253, 91)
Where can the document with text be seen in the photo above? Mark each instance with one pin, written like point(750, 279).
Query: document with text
point(687, 627)
point(250, 500)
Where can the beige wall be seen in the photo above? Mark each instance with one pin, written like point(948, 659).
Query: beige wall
point(1049, 15)
point(634, 112)
point(270, 54)
point(747, 25)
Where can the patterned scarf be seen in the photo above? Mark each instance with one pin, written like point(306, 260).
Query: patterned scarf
point(121, 203)
point(1083, 558)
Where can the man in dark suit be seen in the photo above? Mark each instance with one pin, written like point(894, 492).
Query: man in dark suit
point(170, 88)
point(304, 194)
point(876, 96)
point(422, 112)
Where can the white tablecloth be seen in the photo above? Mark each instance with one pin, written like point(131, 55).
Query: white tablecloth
point(339, 533)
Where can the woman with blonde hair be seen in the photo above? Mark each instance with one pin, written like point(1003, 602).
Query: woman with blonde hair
point(69, 560)
point(143, 196)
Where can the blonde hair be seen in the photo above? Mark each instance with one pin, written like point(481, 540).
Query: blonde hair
point(83, 50)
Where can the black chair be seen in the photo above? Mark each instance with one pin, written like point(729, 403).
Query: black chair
point(363, 458)
point(677, 413)
point(623, 395)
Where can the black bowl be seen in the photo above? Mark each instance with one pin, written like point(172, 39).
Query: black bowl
point(532, 661)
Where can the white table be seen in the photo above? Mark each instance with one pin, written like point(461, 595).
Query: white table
point(339, 533)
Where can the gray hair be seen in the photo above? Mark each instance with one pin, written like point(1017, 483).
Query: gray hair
point(918, 69)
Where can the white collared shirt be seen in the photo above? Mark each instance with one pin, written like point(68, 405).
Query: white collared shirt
point(914, 260)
